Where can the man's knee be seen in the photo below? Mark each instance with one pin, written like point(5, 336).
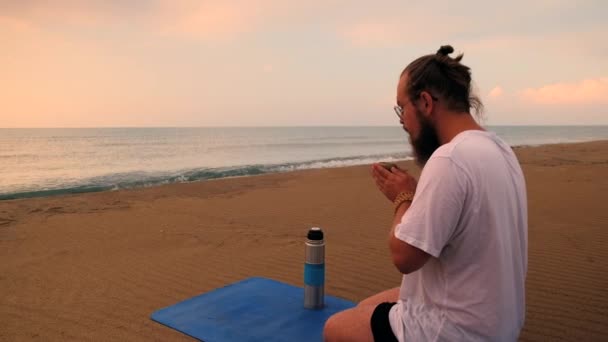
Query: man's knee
point(336, 327)
point(348, 325)
point(330, 329)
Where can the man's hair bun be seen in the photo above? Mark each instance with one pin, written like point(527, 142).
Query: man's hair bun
point(445, 50)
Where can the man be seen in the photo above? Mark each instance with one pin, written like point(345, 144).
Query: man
point(459, 236)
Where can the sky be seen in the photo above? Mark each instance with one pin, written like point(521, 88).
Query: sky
point(96, 63)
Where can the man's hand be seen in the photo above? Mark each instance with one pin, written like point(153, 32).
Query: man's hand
point(392, 182)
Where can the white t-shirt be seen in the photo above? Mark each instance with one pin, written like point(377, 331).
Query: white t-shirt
point(470, 214)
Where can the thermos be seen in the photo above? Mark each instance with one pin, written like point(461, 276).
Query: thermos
point(314, 270)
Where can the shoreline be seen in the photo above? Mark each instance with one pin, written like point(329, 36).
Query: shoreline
point(271, 169)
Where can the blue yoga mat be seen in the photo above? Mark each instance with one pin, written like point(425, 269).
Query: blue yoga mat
point(255, 309)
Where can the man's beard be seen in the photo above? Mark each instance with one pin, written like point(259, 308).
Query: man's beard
point(427, 141)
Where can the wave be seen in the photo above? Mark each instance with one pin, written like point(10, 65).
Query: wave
point(140, 179)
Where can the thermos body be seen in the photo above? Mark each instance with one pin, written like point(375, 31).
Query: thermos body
point(314, 270)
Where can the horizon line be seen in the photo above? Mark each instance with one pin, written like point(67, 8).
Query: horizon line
point(301, 126)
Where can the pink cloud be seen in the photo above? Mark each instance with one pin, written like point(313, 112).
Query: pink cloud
point(585, 92)
point(496, 92)
point(227, 19)
point(217, 20)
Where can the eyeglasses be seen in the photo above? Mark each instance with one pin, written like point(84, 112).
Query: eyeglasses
point(401, 112)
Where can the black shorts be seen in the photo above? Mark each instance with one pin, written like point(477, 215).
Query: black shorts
point(381, 326)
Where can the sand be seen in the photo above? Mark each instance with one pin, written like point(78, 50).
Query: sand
point(95, 266)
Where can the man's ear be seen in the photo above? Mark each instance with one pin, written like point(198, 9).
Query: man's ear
point(427, 103)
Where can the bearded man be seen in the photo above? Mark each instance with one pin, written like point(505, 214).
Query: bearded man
point(459, 235)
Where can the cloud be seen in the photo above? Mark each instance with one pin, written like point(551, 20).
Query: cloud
point(585, 92)
point(207, 20)
point(552, 104)
point(230, 19)
point(495, 93)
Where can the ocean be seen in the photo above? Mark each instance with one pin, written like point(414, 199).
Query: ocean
point(45, 162)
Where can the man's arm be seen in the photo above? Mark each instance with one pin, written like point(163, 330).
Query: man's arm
point(406, 258)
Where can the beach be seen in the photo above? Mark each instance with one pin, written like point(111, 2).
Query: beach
point(94, 266)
